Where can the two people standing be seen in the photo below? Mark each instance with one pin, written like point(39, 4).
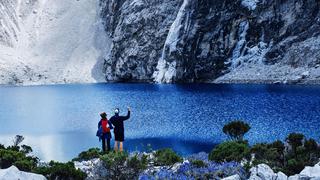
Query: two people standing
point(115, 123)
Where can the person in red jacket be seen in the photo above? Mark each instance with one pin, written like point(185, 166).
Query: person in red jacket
point(106, 126)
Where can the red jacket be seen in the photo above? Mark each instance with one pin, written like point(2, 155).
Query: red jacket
point(105, 125)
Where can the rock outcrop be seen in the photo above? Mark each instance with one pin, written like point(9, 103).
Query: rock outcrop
point(14, 173)
point(308, 172)
point(264, 172)
point(213, 41)
point(93, 168)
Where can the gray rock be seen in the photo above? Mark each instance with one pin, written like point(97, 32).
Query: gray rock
point(93, 168)
point(14, 173)
point(281, 176)
point(263, 172)
point(310, 172)
point(294, 177)
point(234, 177)
point(305, 74)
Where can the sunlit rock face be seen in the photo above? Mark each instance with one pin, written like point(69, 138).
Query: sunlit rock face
point(212, 41)
point(45, 42)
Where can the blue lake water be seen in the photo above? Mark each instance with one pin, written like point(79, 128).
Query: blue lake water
point(60, 121)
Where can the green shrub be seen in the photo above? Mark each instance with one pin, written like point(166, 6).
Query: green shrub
point(166, 157)
point(9, 157)
point(266, 153)
point(25, 165)
point(89, 154)
point(121, 166)
point(114, 159)
point(295, 140)
point(278, 145)
point(26, 149)
point(14, 148)
point(58, 170)
point(230, 151)
point(137, 164)
point(2, 146)
point(17, 140)
point(294, 166)
point(303, 153)
point(198, 163)
point(311, 145)
point(236, 130)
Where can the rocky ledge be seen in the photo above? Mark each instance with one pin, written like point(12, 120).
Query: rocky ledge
point(192, 168)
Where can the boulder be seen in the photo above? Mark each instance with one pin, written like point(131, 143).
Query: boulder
point(310, 172)
point(14, 173)
point(263, 172)
point(93, 168)
point(294, 177)
point(234, 177)
point(281, 176)
point(305, 74)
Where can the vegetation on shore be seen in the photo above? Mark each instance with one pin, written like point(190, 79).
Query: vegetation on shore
point(289, 157)
point(20, 156)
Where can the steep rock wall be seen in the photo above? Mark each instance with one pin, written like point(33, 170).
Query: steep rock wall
point(213, 41)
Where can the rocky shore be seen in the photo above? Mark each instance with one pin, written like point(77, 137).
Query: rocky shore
point(271, 74)
point(187, 170)
point(95, 170)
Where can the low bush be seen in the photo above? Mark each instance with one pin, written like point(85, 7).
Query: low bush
point(303, 152)
point(136, 164)
point(121, 166)
point(268, 154)
point(166, 157)
point(295, 140)
point(89, 154)
point(57, 170)
point(236, 130)
point(9, 157)
point(198, 163)
point(2, 146)
point(311, 145)
point(230, 151)
point(19, 156)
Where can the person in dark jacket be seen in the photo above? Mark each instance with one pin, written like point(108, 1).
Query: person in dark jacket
point(105, 126)
point(117, 122)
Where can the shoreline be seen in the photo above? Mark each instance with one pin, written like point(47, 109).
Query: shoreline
point(214, 82)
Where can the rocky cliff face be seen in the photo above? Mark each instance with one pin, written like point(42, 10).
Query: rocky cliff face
point(213, 41)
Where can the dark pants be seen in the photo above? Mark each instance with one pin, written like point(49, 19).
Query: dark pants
point(105, 137)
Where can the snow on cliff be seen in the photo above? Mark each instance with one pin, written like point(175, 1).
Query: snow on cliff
point(51, 41)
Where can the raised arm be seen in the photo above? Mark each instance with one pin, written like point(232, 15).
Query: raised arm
point(123, 118)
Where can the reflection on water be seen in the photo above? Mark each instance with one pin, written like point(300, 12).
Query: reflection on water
point(60, 121)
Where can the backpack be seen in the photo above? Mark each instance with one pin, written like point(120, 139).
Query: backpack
point(105, 125)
